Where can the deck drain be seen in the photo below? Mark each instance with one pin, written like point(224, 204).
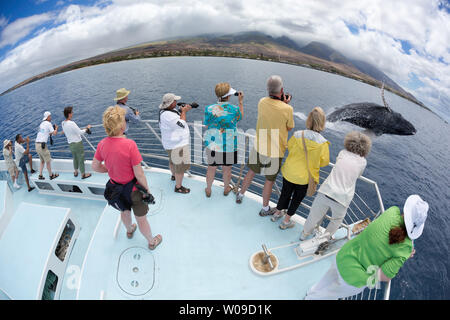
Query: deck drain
point(136, 271)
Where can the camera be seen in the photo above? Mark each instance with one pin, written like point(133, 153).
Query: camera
point(88, 131)
point(51, 139)
point(287, 96)
point(193, 104)
point(146, 197)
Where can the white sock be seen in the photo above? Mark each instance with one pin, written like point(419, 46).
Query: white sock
point(266, 208)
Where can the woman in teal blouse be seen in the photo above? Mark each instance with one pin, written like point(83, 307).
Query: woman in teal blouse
point(220, 138)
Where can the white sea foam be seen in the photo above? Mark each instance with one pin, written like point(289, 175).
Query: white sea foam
point(339, 126)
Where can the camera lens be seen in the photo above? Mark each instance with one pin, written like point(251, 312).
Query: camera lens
point(236, 93)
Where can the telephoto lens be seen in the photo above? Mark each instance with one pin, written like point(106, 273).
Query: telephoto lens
point(193, 104)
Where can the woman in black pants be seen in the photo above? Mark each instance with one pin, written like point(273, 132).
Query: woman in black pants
point(295, 169)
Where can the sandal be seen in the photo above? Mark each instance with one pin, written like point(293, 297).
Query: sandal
point(86, 175)
point(172, 178)
point(41, 177)
point(286, 225)
point(208, 194)
point(182, 189)
point(54, 176)
point(130, 234)
point(158, 241)
point(75, 174)
point(227, 191)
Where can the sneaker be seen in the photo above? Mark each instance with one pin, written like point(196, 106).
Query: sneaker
point(304, 237)
point(33, 171)
point(277, 216)
point(16, 186)
point(269, 212)
point(287, 225)
point(31, 189)
point(239, 197)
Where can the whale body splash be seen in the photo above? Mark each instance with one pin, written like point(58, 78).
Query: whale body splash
point(379, 119)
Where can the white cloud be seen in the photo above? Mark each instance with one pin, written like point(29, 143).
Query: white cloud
point(84, 31)
point(20, 28)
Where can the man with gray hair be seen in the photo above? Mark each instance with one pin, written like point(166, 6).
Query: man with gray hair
point(275, 119)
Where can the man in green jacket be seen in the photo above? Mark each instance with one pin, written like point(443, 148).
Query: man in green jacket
point(377, 254)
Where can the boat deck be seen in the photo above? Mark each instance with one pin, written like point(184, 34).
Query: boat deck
point(207, 244)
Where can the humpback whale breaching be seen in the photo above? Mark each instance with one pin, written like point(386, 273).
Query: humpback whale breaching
point(379, 119)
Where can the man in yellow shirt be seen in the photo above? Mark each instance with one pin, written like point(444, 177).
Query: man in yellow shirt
point(275, 119)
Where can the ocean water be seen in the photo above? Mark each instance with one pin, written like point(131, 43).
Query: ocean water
point(401, 165)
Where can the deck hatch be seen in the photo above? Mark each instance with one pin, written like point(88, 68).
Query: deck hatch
point(136, 271)
point(69, 188)
point(43, 185)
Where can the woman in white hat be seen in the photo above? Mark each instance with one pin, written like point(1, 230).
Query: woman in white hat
point(221, 120)
point(377, 254)
point(12, 168)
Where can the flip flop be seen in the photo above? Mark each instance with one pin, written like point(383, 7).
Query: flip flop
point(158, 241)
point(41, 177)
point(172, 178)
point(86, 175)
point(130, 234)
point(75, 174)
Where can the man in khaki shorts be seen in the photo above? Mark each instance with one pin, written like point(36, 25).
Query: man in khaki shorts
point(275, 119)
point(45, 130)
point(175, 137)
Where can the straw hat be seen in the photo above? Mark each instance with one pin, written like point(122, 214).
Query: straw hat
point(6, 142)
point(121, 93)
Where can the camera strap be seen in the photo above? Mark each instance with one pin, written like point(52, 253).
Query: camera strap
point(171, 110)
point(276, 98)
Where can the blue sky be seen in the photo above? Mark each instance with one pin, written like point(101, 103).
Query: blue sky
point(406, 39)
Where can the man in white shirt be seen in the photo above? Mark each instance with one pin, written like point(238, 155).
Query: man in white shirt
point(23, 157)
point(45, 130)
point(73, 134)
point(175, 136)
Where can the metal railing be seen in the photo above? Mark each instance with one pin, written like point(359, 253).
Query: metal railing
point(147, 135)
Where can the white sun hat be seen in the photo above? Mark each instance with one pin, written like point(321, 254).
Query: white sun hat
point(6, 142)
point(229, 93)
point(415, 213)
point(46, 115)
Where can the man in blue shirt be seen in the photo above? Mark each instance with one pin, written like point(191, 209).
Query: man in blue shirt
point(132, 114)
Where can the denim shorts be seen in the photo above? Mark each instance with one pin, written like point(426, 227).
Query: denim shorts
point(23, 161)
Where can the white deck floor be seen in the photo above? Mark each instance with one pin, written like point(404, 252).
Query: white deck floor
point(205, 251)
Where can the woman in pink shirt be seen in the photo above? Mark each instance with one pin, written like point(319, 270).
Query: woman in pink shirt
point(120, 158)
